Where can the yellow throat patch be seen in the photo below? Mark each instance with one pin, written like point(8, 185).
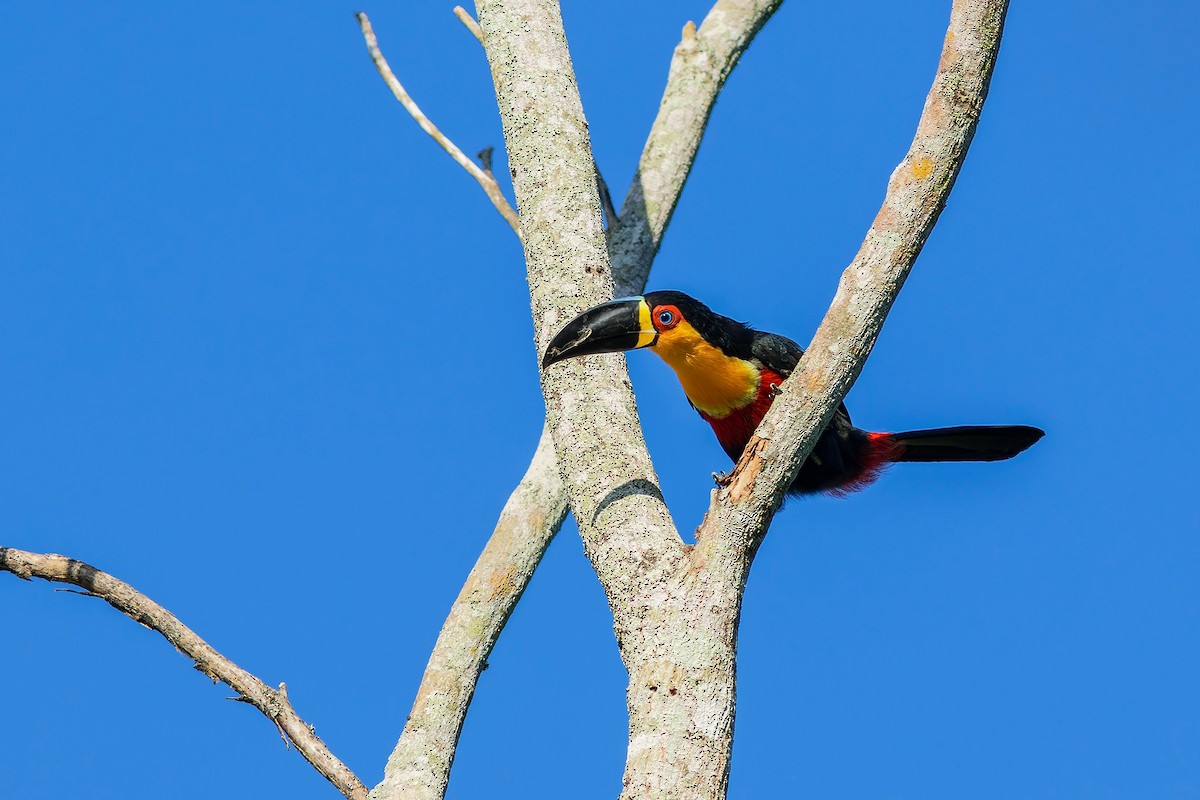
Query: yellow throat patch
point(714, 382)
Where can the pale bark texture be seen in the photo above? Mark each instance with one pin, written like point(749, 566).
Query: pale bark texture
point(419, 767)
point(613, 486)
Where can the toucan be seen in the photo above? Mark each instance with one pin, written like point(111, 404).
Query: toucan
point(731, 373)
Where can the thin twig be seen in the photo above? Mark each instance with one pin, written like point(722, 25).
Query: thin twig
point(465, 18)
point(490, 187)
point(135, 605)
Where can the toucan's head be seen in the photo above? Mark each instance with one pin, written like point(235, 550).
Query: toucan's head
point(664, 321)
point(711, 354)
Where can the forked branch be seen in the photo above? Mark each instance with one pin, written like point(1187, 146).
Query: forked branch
point(273, 703)
point(420, 765)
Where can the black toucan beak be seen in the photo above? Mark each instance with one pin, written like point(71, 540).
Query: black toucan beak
point(610, 327)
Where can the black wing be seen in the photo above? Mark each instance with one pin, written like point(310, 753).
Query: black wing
point(777, 353)
point(781, 355)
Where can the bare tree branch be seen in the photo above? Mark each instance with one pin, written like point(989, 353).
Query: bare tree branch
point(419, 767)
point(490, 187)
point(915, 197)
point(703, 60)
point(465, 18)
point(273, 703)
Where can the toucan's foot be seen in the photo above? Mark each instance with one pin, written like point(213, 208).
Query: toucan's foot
point(775, 390)
point(722, 479)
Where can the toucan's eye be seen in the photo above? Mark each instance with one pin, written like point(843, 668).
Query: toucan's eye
point(666, 317)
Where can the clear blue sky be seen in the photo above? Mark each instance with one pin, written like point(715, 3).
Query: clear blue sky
point(267, 355)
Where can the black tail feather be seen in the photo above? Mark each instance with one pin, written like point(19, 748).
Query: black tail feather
point(966, 443)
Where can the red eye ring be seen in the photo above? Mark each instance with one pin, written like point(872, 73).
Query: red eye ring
point(666, 317)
